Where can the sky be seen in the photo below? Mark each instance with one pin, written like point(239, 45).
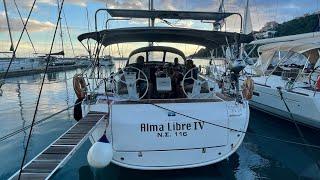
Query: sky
point(43, 19)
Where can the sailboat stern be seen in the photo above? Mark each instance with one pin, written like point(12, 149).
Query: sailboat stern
point(157, 136)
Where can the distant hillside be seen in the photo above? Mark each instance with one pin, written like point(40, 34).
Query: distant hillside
point(305, 24)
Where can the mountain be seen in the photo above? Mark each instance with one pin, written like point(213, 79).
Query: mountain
point(305, 24)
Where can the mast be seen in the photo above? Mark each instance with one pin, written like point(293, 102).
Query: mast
point(217, 26)
point(247, 26)
point(151, 20)
point(8, 23)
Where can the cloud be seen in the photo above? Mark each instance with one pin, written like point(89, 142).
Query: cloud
point(16, 24)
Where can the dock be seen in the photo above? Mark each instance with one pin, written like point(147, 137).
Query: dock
point(51, 69)
point(46, 163)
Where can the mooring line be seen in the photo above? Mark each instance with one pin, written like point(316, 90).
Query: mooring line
point(241, 131)
point(40, 92)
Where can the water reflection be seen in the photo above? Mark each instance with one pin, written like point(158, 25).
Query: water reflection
point(257, 158)
point(21, 114)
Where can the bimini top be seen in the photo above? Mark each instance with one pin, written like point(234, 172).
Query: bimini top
point(158, 48)
point(190, 15)
point(307, 47)
point(210, 39)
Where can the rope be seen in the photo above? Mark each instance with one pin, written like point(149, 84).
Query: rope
point(295, 123)
point(240, 131)
point(16, 5)
point(40, 92)
point(9, 135)
point(68, 31)
point(8, 23)
point(60, 25)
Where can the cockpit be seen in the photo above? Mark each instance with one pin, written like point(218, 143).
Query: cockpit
point(158, 72)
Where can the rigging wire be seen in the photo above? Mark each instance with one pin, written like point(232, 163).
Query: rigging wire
point(88, 26)
point(40, 92)
point(16, 5)
point(9, 135)
point(60, 25)
point(8, 23)
point(68, 31)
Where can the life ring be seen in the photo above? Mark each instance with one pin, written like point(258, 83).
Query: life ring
point(79, 86)
point(247, 88)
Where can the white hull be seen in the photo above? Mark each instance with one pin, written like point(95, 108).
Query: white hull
point(303, 104)
point(139, 144)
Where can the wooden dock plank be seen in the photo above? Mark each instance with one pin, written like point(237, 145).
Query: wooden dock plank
point(55, 155)
point(51, 157)
point(58, 150)
point(32, 176)
point(67, 142)
point(41, 167)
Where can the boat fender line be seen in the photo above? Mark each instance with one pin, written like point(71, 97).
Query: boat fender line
point(296, 125)
point(100, 154)
point(77, 110)
point(79, 86)
point(247, 88)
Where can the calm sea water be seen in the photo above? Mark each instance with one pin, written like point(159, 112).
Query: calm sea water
point(257, 158)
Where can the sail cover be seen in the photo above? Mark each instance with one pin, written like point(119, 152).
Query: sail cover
point(191, 15)
point(210, 39)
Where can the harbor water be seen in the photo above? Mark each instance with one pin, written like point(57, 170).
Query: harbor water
point(257, 158)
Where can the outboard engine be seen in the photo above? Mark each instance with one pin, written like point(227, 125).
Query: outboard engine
point(236, 67)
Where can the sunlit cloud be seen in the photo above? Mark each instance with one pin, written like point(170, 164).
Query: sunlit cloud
point(16, 25)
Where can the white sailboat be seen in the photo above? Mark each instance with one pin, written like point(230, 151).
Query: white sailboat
point(286, 78)
point(162, 113)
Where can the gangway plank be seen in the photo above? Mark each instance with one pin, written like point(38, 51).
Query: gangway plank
point(46, 163)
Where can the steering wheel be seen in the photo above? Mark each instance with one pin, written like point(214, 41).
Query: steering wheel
point(130, 76)
point(196, 87)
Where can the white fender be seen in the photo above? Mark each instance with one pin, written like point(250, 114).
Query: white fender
point(100, 154)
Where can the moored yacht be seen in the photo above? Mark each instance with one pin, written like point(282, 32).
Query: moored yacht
point(162, 113)
point(286, 79)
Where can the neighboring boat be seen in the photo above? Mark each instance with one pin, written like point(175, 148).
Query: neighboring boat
point(286, 78)
point(106, 61)
point(162, 113)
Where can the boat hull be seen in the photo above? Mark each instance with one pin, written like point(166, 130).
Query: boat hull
point(147, 137)
point(302, 106)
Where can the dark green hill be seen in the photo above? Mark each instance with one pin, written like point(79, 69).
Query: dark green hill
point(305, 24)
point(300, 25)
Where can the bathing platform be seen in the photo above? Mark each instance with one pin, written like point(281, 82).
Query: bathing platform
point(46, 163)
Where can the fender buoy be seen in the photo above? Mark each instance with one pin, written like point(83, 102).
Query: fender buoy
point(100, 154)
point(318, 83)
point(247, 88)
point(79, 86)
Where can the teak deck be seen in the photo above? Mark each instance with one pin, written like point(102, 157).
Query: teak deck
point(45, 164)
